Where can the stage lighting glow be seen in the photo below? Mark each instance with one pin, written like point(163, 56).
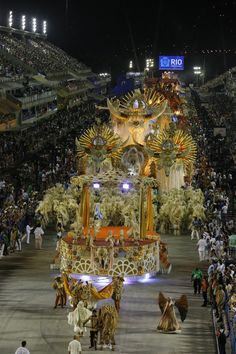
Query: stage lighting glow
point(174, 119)
point(96, 185)
point(34, 25)
point(125, 186)
point(85, 278)
point(23, 22)
point(146, 278)
point(10, 19)
point(44, 27)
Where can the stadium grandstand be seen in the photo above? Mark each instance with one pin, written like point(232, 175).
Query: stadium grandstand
point(37, 79)
point(224, 83)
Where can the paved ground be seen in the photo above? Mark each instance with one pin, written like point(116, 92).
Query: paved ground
point(26, 302)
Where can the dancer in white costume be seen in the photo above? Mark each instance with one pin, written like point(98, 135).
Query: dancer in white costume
point(174, 180)
point(78, 317)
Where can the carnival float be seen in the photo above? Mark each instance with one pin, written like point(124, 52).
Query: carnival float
point(110, 208)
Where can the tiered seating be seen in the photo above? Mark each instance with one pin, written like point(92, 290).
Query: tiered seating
point(42, 56)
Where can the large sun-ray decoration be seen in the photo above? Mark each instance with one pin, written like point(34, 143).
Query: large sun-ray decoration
point(131, 115)
point(136, 102)
point(148, 104)
point(99, 142)
point(170, 147)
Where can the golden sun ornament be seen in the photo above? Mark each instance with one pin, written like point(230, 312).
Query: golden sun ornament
point(99, 142)
point(147, 105)
point(170, 147)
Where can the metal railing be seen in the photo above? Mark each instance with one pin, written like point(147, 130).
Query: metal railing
point(231, 329)
point(36, 97)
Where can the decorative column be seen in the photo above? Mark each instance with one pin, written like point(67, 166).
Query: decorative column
point(142, 221)
point(85, 206)
point(149, 210)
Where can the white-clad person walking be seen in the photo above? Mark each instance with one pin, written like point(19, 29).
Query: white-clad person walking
point(38, 233)
point(201, 245)
point(195, 228)
point(22, 349)
point(28, 230)
point(74, 347)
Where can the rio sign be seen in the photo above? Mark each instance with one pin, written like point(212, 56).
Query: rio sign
point(171, 62)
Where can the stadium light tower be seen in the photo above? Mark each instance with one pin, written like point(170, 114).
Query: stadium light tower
point(34, 25)
point(44, 27)
point(23, 22)
point(149, 66)
point(197, 70)
point(131, 64)
point(149, 63)
point(10, 19)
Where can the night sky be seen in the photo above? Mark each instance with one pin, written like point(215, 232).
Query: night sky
point(105, 34)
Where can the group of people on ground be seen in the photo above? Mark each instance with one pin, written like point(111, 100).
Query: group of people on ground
point(214, 233)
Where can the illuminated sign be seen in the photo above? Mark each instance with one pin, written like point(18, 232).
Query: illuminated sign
point(171, 63)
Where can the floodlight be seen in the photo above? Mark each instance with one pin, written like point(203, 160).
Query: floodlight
point(10, 19)
point(150, 63)
point(44, 27)
point(34, 25)
point(23, 22)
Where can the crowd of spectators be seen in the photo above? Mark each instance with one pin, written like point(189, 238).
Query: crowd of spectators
point(18, 147)
point(224, 82)
point(44, 57)
point(9, 70)
point(30, 90)
point(31, 162)
point(220, 109)
point(73, 85)
point(38, 157)
point(6, 118)
point(216, 179)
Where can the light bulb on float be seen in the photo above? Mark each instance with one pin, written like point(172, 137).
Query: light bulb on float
point(125, 186)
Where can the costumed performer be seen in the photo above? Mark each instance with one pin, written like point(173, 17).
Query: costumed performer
point(117, 282)
point(77, 318)
point(58, 285)
point(168, 322)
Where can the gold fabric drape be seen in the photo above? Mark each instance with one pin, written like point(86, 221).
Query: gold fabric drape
point(149, 210)
point(66, 286)
point(104, 293)
point(142, 218)
point(85, 206)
